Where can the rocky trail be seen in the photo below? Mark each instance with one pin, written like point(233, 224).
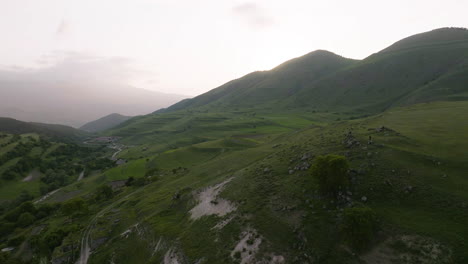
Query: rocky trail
point(85, 249)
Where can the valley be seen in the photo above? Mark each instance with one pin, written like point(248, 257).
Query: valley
point(235, 175)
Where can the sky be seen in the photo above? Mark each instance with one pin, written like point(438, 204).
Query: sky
point(189, 47)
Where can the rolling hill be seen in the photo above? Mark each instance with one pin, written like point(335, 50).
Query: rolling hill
point(258, 89)
point(426, 67)
point(105, 123)
point(318, 87)
point(56, 132)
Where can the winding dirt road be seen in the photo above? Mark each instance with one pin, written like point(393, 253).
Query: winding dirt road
point(85, 249)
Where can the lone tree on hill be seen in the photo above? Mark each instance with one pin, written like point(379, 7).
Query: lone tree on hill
point(331, 173)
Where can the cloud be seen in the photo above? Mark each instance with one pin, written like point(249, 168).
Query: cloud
point(63, 29)
point(73, 88)
point(253, 15)
point(76, 67)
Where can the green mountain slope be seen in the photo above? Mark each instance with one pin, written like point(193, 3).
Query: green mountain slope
point(408, 176)
point(319, 87)
point(426, 67)
point(259, 88)
point(57, 132)
point(105, 123)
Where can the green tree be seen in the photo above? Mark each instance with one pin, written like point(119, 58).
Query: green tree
point(25, 219)
point(74, 207)
point(359, 227)
point(331, 173)
point(104, 192)
point(130, 181)
point(54, 239)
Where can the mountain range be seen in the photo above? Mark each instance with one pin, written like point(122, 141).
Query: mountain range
point(417, 69)
point(61, 102)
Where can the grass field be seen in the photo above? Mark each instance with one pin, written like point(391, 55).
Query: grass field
point(283, 208)
point(413, 153)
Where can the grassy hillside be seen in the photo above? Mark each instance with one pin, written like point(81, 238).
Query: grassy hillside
point(104, 123)
point(427, 67)
point(415, 187)
point(409, 177)
point(56, 132)
point(259, 88)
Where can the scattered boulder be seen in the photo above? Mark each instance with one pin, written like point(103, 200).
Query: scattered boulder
point(350, 141)
point(7, 249)
point(384, 129)
point(305, 157)
point(246, 249)
point(409, 189)
point(176, 196)
point(120, 162)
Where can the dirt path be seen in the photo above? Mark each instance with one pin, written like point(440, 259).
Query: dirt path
point(43, 198)
point(85, 249)
point(33, 175)
point(81, 176)
point(118, 149)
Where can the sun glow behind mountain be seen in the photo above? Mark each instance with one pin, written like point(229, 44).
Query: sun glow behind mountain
point(190, 47)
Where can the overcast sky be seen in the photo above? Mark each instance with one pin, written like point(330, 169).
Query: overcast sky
point(191, 46)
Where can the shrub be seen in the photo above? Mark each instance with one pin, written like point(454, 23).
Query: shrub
point(359, 227)
point(104, 192)
point(139, 182)
point(74, 207)
point(26, 219)
point(6, 228)
point(129, 181)
point(8, 175)
point(331, 173)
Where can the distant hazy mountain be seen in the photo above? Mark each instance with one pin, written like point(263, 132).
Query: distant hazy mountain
point(104, 123)
point(27, 97)
point(56, 132)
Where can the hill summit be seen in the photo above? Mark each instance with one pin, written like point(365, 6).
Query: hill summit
point(422, 68)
